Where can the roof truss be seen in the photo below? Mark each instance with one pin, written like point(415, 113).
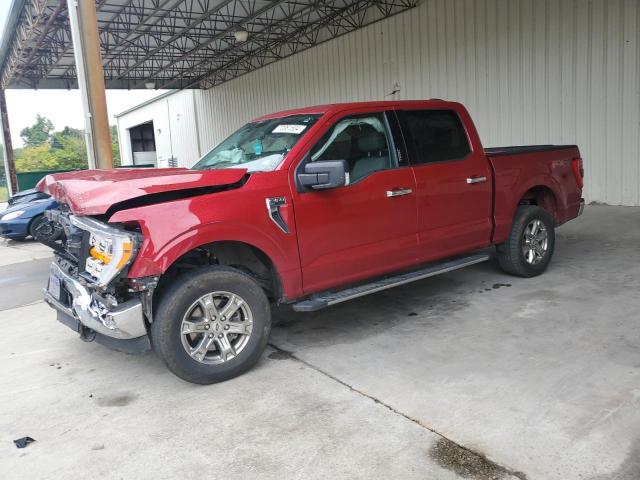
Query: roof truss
point(179, 43)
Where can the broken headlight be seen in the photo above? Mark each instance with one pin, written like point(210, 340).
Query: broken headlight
point(110, 249)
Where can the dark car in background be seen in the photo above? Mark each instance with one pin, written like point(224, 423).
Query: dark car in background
point(27, 196)
point(24, 217)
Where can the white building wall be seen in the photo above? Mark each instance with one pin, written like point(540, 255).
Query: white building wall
point(174, 123)
point(530, 72)
point(155, 112)
point(184, 131)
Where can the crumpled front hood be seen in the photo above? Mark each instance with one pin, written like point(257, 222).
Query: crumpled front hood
point(93, 192)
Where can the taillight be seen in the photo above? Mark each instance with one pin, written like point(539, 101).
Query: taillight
point(578, 171)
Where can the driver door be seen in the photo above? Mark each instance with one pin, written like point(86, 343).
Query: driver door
point(367, 227)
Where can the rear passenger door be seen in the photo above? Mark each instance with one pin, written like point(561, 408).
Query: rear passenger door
point(454, 191)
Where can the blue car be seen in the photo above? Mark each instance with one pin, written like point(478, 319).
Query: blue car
point(24, 217)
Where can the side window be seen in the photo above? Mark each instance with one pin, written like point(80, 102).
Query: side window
point(434, 135)
point(362, 141)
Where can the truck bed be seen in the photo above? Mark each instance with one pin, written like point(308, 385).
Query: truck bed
point(535, 168)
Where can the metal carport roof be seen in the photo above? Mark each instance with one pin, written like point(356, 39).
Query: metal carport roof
point(175, 43)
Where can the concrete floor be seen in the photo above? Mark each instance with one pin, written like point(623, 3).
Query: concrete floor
point(540, 376)
point(21, 283)
point(12, 252)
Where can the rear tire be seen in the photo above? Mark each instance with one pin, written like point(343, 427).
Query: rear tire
point(194, 325)
point(529, 248)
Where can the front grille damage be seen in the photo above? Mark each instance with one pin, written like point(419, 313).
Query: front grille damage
point(71, 256)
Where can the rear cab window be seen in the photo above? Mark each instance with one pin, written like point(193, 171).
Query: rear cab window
point(434, 136)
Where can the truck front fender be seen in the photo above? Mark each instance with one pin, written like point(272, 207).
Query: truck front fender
point(173, 229)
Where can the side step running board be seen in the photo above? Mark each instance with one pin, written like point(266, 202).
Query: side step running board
point(323, 300)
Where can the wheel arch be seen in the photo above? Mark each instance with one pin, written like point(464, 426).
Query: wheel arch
point(241, 255)
point(542, 191)
point(542, 196)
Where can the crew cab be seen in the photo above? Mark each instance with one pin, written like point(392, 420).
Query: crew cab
point(309, 207)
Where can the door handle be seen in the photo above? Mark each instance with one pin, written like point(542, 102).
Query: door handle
point(398, 192)
point(476, 179)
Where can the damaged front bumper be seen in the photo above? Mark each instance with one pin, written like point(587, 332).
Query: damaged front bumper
point(121, 327)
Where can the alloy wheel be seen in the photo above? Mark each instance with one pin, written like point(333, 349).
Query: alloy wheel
point(216, 327)
point(536, 242)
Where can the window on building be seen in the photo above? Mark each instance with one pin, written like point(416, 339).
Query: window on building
point(143, 138)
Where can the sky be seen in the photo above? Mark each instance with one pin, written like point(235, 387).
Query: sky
point(62, 107)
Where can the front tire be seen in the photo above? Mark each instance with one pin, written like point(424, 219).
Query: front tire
point(42, 229)
point(212, 325)
point(529, 248)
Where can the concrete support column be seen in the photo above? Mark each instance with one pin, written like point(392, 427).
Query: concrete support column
point(9, 164)
point(86, 49)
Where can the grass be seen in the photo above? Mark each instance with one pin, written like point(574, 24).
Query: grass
point(4, 194)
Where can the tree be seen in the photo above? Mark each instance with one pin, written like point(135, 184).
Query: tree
point(64, 150)
point(3, 179)
point(115, 145)
point(33, 159)
point(38, 133)
point(70, 152)
point(57, 138)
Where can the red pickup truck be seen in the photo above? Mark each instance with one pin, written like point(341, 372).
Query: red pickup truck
point(309, 207)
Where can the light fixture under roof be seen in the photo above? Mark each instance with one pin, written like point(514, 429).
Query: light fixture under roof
point(150, 85)
point(241, 35)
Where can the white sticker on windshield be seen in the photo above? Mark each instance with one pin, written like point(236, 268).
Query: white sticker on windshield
point(297, 129)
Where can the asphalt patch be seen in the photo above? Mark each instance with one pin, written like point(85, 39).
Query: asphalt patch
point(279, 355)
point(466, 463)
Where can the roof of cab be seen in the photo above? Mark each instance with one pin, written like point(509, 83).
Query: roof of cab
point(337, 107)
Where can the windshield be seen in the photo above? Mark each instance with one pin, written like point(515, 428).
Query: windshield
point(258, 146)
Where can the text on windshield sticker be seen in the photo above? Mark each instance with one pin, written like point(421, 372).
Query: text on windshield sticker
point(289, 129)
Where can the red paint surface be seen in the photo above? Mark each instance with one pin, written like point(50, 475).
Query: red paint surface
point(92, 192)
point(336, 236)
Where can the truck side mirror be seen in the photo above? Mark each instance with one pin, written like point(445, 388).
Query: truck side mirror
point(325, 174)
